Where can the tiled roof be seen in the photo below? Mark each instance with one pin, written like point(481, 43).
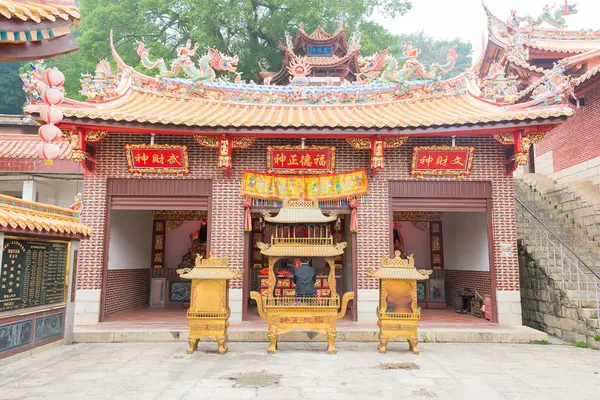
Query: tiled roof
point(329, 61)
point(446, 110)
point(302, 251)
point(209, 273)
point(298, 215)
point(38, 217)
point(588, 75)
point(398, 273)
point(37, 12)
point(564, 46)
point(17, 120)
point(21, 146)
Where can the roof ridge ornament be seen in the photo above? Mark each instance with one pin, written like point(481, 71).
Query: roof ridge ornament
point(387, 65)
point(556, 20)
point(207, 64)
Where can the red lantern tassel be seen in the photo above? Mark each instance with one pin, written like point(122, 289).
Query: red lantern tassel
point(247, 216)
point(353, 203)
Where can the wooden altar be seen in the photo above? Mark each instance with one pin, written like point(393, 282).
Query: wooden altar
point(285, 313)
point(208, 315)
point(398, 312)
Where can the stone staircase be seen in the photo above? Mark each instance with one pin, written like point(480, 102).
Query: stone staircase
point(559, 255)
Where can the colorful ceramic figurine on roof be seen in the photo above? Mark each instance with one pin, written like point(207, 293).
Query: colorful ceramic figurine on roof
point(212, 61)
point(557, 20)
point(387, 66)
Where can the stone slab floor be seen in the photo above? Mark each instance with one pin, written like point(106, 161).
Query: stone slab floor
point(304, 371)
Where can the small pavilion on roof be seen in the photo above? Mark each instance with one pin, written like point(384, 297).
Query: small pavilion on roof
point(329, 56)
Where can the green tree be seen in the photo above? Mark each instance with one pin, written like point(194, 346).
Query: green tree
point(12, 96)
point(435, 51)
point(251, 29)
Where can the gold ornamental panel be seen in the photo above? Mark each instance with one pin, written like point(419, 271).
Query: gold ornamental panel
point(180, 215)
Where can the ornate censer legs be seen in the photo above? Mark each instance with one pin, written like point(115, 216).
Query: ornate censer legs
point(193, 345)
point(412, 344)
point(273, 336)
point(383, 341)
point(222, 343)
point(331, 347)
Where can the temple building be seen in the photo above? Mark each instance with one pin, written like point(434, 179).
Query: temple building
point(397, 158)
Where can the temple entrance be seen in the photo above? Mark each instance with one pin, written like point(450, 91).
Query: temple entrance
point(455, 246)
point(145, 249)
point(257, 264)
point(449, 228)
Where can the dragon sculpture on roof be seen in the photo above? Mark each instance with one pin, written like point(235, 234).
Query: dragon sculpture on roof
point(211, 62)
point(557, 20)
point(386, 66)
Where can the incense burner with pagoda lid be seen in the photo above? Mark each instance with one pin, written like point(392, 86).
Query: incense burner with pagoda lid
point(398, 313)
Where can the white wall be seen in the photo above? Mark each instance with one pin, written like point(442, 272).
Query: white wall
point(416, 242)
point(130, 239)
point(56, 192)
point(178, 242)
point(465, 241)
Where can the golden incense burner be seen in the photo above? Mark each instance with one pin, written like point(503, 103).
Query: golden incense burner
point(398, 312)
point(208, 315)
point(288, 313)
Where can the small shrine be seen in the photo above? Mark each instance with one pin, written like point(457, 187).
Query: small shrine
point(208, 315)
point(398, 312)
point(318, 58)
point(301, 234)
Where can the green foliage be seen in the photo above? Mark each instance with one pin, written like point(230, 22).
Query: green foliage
point(435, 51)
point(12, 97)
point(583, 345)
point(543, 342)
point(425, 339)
point(597, 338)
point(251, 29)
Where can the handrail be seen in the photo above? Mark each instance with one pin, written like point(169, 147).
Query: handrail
point(556, 237)
point(572, 275)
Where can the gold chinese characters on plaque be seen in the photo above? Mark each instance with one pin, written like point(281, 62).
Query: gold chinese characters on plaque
point(157, 159)
point(442, 161)
point(310, 160)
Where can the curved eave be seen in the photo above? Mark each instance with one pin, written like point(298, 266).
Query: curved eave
point(37, 50)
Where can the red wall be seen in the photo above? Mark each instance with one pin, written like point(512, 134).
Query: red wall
point(578, 139)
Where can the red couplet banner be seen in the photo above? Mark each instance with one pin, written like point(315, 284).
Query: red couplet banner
point(442, 160)
point(162, 158)
point(295, 160)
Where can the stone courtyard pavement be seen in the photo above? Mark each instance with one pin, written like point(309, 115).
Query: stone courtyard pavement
point(304, 371)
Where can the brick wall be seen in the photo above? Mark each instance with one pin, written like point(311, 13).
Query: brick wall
point(577, 140)
point(227, 230)
point(126, 289)
point(457, 281)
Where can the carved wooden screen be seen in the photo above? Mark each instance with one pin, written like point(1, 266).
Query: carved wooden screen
point(437, 245)
point(158, 243)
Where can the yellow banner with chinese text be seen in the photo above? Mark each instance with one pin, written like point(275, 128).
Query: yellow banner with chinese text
point(343, 185)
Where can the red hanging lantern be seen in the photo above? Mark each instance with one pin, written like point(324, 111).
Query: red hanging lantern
point(52, 96)
point(49, 132)
point(51, 115)
point(53, 77)
point(48, 151)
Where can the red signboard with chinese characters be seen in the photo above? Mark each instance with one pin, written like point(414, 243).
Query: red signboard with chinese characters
point(157, 159)
point(442, 160)
point(297, 160)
